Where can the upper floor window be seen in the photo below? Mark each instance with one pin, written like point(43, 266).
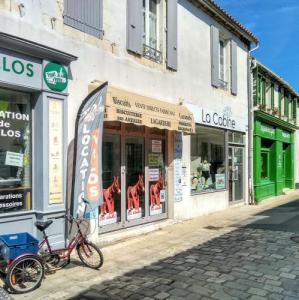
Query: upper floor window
point(144, 36)
point(223, 61)
point(151, 41)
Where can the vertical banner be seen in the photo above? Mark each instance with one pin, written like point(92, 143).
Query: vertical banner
point(87, 168)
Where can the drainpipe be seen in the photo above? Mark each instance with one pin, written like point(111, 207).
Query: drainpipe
point(250, 123)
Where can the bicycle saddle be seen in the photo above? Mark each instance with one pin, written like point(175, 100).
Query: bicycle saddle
point(40, 225)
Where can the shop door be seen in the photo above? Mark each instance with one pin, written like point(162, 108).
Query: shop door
point(134, 159)
point(284, 167)
point(236, 173)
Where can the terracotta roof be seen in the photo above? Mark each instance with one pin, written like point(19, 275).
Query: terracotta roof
point(229, 21)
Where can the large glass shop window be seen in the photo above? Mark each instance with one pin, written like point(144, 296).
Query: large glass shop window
point(156, 176)
point(15, 151)
point(110, 210)
point(207, 160)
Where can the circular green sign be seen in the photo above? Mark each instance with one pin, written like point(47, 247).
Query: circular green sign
point(55, 77)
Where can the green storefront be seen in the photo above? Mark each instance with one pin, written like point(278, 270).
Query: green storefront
point(273, 154)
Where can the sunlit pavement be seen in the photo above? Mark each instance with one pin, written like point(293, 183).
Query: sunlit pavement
point(241, 253)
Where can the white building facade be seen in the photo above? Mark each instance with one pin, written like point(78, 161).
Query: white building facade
point(180, 65)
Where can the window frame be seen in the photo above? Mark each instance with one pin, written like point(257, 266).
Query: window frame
point(267, 152)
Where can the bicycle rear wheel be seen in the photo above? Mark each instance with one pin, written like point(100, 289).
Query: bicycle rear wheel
point(25, 274)
point(90, 255)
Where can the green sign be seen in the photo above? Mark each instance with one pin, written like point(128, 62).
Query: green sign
point(55, 77)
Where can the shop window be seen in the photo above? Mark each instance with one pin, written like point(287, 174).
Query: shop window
point(207, 160)
point(236, 137)
point(15, 151)
point(110, 210)
point(156, 176)
point(265, 164)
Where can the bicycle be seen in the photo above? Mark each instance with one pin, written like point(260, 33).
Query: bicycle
point(25, 273)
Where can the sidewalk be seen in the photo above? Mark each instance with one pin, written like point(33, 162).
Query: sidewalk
point(148, 250)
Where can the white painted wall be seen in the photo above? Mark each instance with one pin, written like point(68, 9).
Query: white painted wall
point(108, 59)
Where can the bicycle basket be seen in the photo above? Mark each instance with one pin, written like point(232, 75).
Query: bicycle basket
point(13, 245)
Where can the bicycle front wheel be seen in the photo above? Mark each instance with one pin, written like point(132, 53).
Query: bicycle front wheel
point(25, 274)
point(90, 255)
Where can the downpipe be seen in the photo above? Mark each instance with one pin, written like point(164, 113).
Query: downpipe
point(250, 126)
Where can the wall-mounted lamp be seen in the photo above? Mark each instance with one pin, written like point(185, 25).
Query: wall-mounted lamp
point(21, 10)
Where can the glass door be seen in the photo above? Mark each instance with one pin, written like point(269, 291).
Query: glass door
point(134, 156)
point(236, 173)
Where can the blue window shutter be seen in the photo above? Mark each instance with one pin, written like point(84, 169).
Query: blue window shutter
point(215, 56)
point(94, 17)
point(172, 34)
point(134, 26)
point(234, 70)
point(85, 15)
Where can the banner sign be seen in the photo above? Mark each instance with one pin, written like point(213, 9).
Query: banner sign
point(87, 169)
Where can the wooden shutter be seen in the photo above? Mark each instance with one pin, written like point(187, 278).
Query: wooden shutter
point(134, 26)
point(74, 14)
point(172, 40)
point(234, 70)
point(94, 17)
point(215, 55)
point(85, 15)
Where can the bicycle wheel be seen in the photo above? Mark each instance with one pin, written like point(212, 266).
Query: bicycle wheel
point(90, 255)
point(25, 274)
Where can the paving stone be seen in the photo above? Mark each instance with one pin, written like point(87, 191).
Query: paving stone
point(257, 291)
point(287, 275)
point(162, 296)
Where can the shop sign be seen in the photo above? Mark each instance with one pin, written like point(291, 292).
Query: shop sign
point(11, 199)
point(267, 129)
point(220, 119)
point(219, 181)
point(17, 69)
point(55, 76)
point(132, 108)
point(286, 135)
point(157, 146)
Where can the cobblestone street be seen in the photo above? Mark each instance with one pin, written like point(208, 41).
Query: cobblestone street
point(241, 253)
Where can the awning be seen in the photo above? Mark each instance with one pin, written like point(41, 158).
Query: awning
point(132, 108)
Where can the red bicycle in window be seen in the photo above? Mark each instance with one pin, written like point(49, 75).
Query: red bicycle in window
point(25, 272)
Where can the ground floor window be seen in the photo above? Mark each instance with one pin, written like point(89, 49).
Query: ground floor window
point(15, 151)
point(134, 170)
point(207, 160)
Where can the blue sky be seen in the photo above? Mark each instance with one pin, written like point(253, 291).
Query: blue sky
point(276, 25)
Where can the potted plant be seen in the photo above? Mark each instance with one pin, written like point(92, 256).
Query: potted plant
point(262, 106)
point(275, 111)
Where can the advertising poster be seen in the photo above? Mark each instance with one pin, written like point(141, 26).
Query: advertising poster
point(177, 167)
point(55, 152)
point(156, 146)
point(153, 174)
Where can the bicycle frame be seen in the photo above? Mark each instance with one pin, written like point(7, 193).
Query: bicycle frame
point(64, 253)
